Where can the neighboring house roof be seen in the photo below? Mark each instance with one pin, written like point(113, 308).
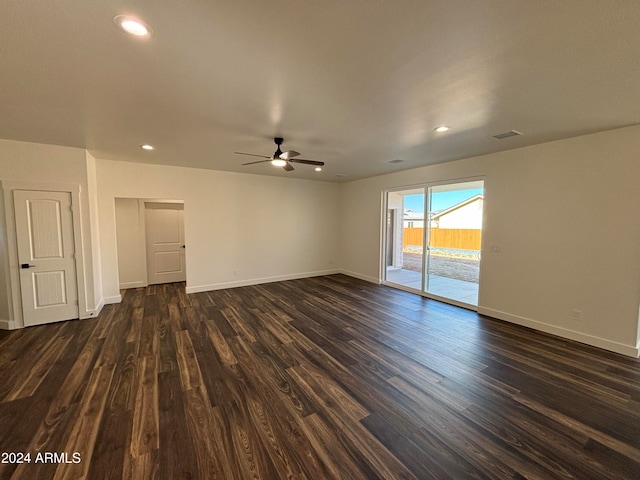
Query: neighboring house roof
point(413, 215)
point(441, 213)
point(410, 214)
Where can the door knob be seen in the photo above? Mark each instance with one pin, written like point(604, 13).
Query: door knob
point(26, 265)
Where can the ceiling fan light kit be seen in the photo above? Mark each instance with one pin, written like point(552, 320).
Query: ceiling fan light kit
point(282, 159)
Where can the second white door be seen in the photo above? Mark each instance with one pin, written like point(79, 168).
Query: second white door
point(164, 225)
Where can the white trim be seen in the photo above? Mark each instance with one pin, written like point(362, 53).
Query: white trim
point(138, 284)
point(110, 300)
point(382, 238)
point(142, 242)
point(366, 278)
point(78, 234)
point(610, 345)
point(7, 325)
point(93, 313)
point(258, 281)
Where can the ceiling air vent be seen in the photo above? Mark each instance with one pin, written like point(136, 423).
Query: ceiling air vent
point(510, 133)
point(397, 160)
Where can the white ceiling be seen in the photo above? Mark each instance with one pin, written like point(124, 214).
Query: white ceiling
point(353, 83)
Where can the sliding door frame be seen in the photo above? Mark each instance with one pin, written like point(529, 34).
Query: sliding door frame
point(425, 239)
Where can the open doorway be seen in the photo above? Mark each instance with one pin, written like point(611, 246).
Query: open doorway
point(150, 241)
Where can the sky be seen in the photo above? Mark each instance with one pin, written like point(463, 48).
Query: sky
point(439, 201)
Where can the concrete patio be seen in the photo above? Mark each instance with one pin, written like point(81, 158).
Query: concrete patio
point(459, 290)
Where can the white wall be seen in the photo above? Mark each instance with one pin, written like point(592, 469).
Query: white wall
point(262, 228)
point(130, 243)
point(565, 215)
point(95, 266)
point(31, 162)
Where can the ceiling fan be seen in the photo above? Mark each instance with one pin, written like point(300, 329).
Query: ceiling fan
point(282, 159)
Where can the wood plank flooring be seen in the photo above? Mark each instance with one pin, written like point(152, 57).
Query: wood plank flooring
point(322, 378)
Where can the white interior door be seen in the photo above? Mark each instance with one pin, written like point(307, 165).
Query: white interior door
point(44, 230)
point(165, 242)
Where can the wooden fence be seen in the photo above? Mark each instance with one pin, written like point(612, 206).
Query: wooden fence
point(466, 239)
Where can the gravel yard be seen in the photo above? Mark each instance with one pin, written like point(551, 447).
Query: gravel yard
point(466, 269)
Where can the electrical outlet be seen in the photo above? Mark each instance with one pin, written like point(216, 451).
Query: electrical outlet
point(495, 248)
point(235, 273)
point(576, 315)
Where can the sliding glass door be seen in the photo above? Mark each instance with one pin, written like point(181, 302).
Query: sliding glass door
point(453, 241)
point(438, 253)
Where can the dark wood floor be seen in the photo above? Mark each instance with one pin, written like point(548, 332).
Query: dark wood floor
point(324, 378)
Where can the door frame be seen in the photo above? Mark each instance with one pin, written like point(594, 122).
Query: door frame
point(16, 317)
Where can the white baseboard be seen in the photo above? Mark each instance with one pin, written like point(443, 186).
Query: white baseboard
point(366, 278)
point(95, 312)
point(114, 299)
point(258, 281)
point(7, 325)
point(612, 346)
point(124, 286)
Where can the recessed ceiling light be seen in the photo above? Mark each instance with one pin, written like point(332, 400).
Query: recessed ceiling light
point(132, 26)
point(318, 169)
point(146, 146)
point(442, 129)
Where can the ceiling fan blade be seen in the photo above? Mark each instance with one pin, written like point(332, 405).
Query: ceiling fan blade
point(251, 155)
point(288, 167)
point(307, 162)
point(289, 154)
point(259, 161)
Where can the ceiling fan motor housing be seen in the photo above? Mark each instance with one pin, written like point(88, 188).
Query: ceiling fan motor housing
point(278, 141)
